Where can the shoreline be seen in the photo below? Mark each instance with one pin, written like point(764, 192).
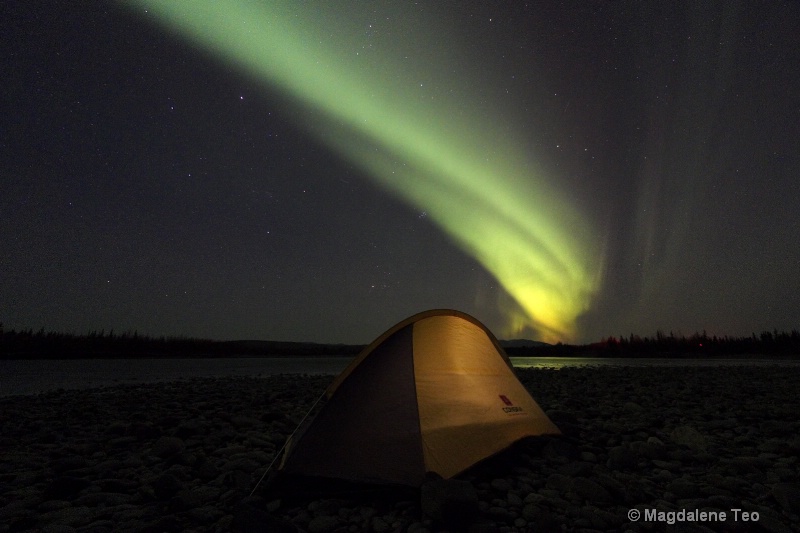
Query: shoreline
point(38, 376)
point(512, 354)
point(183, 455)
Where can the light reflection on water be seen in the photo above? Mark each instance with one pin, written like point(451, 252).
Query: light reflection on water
point(564, 362)
point(29, 377)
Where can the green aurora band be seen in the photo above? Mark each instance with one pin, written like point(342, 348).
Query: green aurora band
point(414, 129)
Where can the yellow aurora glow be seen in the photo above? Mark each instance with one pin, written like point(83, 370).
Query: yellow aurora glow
point(395, 113)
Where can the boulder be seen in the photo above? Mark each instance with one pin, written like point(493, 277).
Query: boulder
point(689, 437)
point(167, 447)
point(591, 491)
point(166, 486)
point(454, 503)
point(250, 517)
point(621, 458)
point(321, 524)
point(787, 496)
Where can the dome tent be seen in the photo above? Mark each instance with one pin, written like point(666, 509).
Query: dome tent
point(435, 393)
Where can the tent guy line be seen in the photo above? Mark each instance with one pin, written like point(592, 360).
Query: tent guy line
point(279, 452)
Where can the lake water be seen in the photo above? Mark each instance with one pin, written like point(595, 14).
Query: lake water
point(30, 377)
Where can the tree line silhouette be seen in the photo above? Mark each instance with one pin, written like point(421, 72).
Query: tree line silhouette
point(767, 344)
point(27, 344)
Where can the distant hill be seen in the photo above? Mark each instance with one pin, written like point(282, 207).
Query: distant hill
point(279, 348)
point(522, 343)
point(102, 345)
point(27, 344)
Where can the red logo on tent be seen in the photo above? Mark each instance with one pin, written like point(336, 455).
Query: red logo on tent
point(505, 399)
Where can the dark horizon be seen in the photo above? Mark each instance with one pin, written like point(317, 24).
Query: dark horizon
point(659, 333)
point(27, 344)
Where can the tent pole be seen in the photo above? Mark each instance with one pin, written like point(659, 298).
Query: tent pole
point(285, 443)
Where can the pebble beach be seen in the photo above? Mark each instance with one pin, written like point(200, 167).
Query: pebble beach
point(639, 447)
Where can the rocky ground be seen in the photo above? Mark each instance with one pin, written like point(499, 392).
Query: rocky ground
point(184, 456)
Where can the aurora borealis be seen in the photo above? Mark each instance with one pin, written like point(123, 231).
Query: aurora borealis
point(244, 169)
point(422, 144)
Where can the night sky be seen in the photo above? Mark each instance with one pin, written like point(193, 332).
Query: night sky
point(320, 171)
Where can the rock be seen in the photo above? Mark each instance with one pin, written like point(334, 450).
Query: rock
point(65, 464)
point(773, 446)
point(576, 468)
point(513, 499)
point(367, 512)
point(244, 422)
point(683, 488)
point(501, 485)
point(166, 486)
point(142, 431)
point(207, 514)
point(591, 491)
point(326, 507)
point(103, 498)
point(483, 527)
point(774, 428)
point(559, 482)
point(167, 447)
point(771, 525)
point(58, 528)
point(69, 516)
point(717, 501)
point(540, 519)
point(244, 464)
point(162, 524)
point(670, 466)
point(633, 407)
point(689, 437)
point(749, 465)
point(379, 525)
point(499, 514)
point(589, 457)
point(787, 496)
point(321, 524)
point(452, 502)
point(205, 469)
point(621, 458)
point(273, 505)
point(236, 479)
point(52, 505)
point(648, 449)
point(534, 498)
point(558, 416)
point(65, 488)
point(249, 516)
point(188, 428)
point(26, 521)
point(614, 487)
point(93, 452)
point(561, 449)
point(597, 519)
point(663, 475)
point(189, 499)
point(229, 451)
point(418, 527)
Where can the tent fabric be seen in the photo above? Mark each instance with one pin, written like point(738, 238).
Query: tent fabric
point(435, 393)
